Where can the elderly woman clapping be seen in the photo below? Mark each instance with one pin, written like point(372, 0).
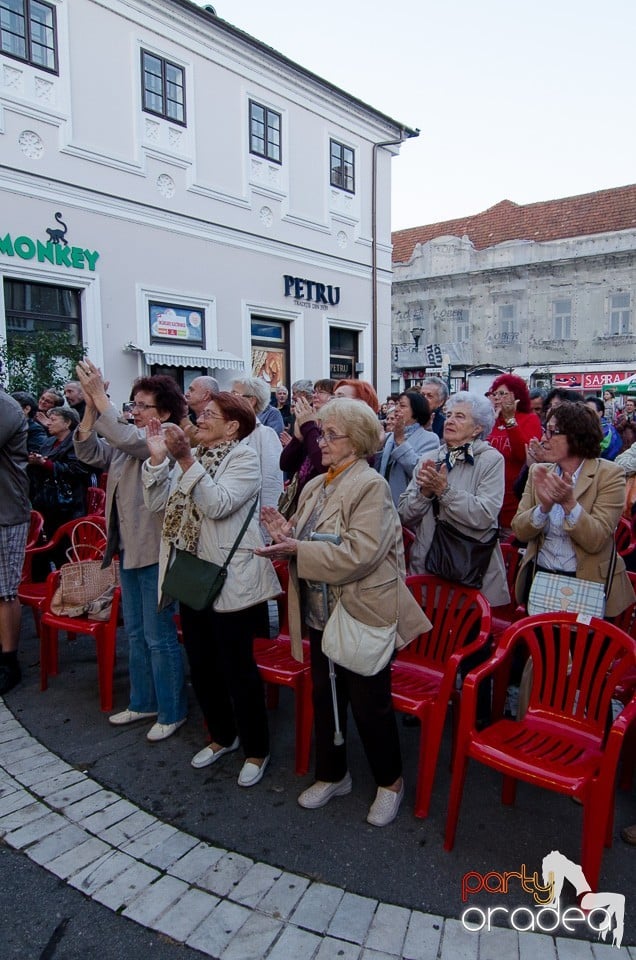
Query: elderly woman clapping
point(345, 540)
point(463, 485)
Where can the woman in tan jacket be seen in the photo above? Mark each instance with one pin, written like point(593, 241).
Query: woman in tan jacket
point(351, 504)
point(571, 506)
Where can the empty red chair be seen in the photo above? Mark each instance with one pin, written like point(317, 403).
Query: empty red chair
point(561, 743)
point(278, 667)
point(408, 539)
point(424, 674)
point(623, 537)
point(36, 525)
point(96, 501)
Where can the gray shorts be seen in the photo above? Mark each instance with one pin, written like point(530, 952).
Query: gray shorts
point(12, 545)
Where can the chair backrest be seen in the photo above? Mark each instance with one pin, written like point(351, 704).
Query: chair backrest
point(282, 572)
point(623, 537)
point(460, 615)
point(96, 501)
point(626, 620)
point(512, 562)
point(88, 539)
point(408, 539)
point(578, 663)
point(36, 525)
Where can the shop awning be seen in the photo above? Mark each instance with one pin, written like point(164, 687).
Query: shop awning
point(218, 361)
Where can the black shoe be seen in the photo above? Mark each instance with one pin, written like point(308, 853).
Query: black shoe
point(10, 676)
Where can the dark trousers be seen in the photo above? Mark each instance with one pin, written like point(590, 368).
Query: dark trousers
point(224, 675)
point(372, 709)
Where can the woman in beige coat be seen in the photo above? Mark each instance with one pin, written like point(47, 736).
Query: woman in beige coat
point(353, 503)
point(571, 506)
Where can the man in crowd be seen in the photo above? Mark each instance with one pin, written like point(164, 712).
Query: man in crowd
point(198, 394)
point(436, 392)
point(74, 396)
point(14, 527)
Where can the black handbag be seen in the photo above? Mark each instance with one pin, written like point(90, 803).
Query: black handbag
point(455, 556)
point(197, 582)
point(53, 495)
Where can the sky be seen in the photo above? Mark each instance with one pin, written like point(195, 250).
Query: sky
point(519, 101)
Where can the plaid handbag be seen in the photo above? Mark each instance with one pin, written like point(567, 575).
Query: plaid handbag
point(556, 593)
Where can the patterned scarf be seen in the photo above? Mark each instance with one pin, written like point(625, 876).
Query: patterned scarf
point(458, 455)
point(182, 519)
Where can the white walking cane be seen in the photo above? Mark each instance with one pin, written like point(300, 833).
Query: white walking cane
point(338, 739)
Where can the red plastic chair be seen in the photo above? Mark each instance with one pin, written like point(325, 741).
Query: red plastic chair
point(92, 543)
point(36, 525)
point(625, 691)
point(562, 742)
point(623, 537)
point(279, 668)
point(504, 615)
point(424, 674)
point(96, 501)
point(104, 633)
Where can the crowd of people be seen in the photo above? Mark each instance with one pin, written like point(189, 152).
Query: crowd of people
point(324, 478)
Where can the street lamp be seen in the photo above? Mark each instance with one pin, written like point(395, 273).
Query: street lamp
point(416, 333)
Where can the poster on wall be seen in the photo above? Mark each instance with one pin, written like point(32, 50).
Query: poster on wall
point(172, 322)
point(269, 364)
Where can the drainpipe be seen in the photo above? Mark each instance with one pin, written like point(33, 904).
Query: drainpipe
point(405, 134)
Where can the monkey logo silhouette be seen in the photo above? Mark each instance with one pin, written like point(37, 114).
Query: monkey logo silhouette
point(58, 236)
point(557, 869)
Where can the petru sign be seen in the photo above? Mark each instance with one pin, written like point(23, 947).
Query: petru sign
point(55, 250)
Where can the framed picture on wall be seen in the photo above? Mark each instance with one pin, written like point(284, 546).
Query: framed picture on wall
point(176, 323)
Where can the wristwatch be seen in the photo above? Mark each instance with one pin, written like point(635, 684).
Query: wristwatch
point(511, 422)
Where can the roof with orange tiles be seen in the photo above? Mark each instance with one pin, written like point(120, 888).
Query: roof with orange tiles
point(605, 211)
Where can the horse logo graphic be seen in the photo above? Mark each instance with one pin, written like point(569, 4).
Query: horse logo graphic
point(58, 236)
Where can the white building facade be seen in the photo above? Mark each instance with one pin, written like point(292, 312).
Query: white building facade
point(183, 199)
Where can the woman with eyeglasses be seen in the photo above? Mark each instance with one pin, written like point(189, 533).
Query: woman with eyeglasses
point(205, 500)
point(105, 439)
point(515, 426)
point(571, 506)
point(345, 539)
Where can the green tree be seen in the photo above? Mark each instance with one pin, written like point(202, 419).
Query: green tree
point(38, 360)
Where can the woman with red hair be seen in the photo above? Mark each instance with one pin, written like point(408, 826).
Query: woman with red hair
point(514, 428)
point(358, 390)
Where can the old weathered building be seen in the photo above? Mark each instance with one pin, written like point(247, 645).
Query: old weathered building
point(545, 290)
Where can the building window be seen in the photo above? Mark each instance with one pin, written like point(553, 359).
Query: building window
point(163, 88)
point(342, 166)
point(462, 326)
point(27, 32)
point(620, 314)
point(265, 132)
point(507, 323)
point(270, 351)
point(562, 320)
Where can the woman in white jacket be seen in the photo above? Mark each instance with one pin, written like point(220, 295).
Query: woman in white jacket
point(207, 498)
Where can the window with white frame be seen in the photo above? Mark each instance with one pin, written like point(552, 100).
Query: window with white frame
point(462, 326)
point(342, 166)
point(507, 323)
point(28, 32)
point(562, 319)
point(265, 132)
point(163, 88)
point(620, 313)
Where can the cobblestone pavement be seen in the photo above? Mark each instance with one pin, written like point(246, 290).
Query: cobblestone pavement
point(197, 889)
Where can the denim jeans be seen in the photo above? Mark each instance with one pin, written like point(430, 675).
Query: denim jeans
point(155, 658)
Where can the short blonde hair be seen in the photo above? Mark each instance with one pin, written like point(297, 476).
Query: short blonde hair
point(355, 420)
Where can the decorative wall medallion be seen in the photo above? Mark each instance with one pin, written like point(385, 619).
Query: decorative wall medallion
point(11, 77)
point(342, 239)
point(152, 131)
point(31, 144)
point(43, 90)
point(165, 185)
point(266, 216)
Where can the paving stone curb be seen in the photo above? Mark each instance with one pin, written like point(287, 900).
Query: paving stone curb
point(215, 900)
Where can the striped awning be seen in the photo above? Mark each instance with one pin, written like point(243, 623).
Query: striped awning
point(194, 358)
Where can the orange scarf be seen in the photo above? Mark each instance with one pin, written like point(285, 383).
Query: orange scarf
point(334, 472)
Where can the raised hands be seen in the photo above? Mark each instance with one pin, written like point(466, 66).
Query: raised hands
point(431, 480)
point(551, 489)
point(168, 438)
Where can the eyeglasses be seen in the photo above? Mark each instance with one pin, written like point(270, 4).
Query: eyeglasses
point(134, 405)
point(237, 393)
point(500, 394)
point(208, 415)
point(549, 432)
point(330, 437)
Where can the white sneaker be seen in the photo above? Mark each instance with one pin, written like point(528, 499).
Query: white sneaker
point(161, 731)
point(207, 756)
point(251, 773)
point(321, 792)
point(385, 807)
point(129, 716)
